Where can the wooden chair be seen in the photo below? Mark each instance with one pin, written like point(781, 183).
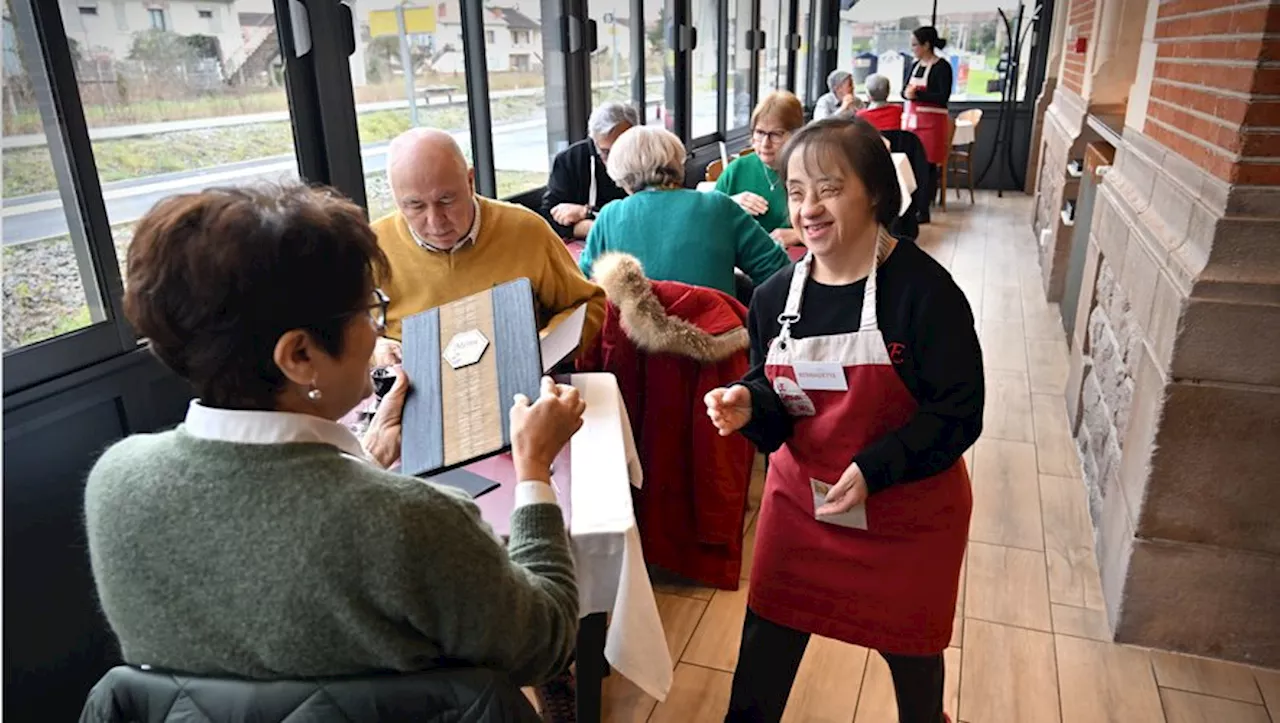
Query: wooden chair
point(963, 155)
point(945, 169)
point(714, 169)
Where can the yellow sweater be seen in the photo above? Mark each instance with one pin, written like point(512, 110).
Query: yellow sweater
point(513, 242)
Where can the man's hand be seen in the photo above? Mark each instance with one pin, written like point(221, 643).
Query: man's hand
point(786, 237)
point(751, 203)
point(848, 493)
point(387, 353)
point(567, 214)
point(729, 409)
point(383, 439)
point(541, 429)
point(848, 102)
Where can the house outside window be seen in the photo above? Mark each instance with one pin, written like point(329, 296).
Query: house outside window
point(489, 37)
point(157, 18)
point(89, 10)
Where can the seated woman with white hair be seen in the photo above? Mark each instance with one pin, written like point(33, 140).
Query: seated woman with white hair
point(882, 114)
point(579, 186)
point(677, 233)
point(841, 100)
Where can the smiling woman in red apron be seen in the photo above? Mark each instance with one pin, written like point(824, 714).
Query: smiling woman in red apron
point(867, 381)
point(928, 91)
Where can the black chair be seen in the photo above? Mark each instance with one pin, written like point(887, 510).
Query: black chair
point(131, 695)
point(908, 143)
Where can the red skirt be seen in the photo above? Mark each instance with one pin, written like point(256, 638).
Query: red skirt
point(932, 124)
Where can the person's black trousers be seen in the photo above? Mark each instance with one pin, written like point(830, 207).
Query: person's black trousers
point(930, 187)
point(770, 655)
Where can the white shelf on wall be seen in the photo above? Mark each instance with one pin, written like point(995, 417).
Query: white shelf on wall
point(1075, 169)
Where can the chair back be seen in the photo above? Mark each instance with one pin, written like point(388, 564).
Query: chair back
point(127, 695)
point(714, 169)
point(973, 115)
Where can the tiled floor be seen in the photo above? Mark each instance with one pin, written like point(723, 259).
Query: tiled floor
point(1029, 644)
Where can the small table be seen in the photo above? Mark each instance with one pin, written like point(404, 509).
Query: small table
point(612, 577)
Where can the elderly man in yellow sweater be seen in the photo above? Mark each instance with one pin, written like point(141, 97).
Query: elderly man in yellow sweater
point(446, 242)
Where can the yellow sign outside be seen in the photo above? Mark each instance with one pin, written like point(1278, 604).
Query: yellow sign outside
point(416, 21)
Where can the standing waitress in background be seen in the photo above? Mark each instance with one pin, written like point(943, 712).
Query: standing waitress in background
point(928, 91)
point(866, 386)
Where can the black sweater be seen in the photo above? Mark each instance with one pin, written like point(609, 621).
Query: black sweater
point(938, 88)
point(570, 182)
point(928, 327)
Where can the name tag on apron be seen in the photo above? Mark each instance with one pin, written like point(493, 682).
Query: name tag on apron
point(821, 376)
point(855, 518)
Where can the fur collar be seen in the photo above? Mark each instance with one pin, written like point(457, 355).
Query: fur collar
point(647, 323)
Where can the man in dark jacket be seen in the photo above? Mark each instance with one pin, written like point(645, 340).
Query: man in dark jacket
point(579, 186)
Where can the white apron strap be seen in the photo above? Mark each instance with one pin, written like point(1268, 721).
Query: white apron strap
point(800, 275)
point(591, 193)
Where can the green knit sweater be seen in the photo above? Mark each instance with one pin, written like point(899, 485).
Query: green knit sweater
point(293, 560)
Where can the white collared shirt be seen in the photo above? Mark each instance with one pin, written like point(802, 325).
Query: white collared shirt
point(244, 426)
point(469, 238)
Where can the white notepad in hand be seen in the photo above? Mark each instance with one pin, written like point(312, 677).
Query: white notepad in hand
point(855, 518)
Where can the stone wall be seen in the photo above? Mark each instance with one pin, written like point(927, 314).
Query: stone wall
point(1174, 400)
point(1063, 138)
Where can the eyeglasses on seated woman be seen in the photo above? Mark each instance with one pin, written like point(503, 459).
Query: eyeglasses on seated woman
point(261, 539)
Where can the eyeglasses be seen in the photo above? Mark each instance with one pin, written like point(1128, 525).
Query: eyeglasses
point(378, 309)
point(771, 136)
point(603, 152)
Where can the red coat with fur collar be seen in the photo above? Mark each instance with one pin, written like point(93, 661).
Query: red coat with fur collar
point(669, 344)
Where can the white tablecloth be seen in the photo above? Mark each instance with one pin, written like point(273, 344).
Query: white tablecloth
point(965, 133)
point(612, 576)
point(906, 180)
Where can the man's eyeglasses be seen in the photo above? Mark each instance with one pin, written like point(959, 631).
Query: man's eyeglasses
point(603, 152)
point(771, 136)
point(378, 309)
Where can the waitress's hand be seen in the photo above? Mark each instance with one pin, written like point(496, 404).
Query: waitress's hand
point(382, 441)
point(909, 93)
point(848, 493)
point(729, 409)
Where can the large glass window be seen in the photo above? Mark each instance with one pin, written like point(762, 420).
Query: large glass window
point(177, 110)
point(739, 99)
point(431, 45)
point(804, 28)
point(659, 64)
point(773, 63)
point(519, 84)
point(611, 62)
point(50, 287)
point(877, 38)
point(705, 64)
point(977, 45)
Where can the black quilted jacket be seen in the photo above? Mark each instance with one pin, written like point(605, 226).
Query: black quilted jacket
point(129, 695)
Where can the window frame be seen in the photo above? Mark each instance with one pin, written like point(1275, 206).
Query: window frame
point(153, 13)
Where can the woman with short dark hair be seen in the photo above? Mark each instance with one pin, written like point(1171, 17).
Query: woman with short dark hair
point(260, 538)
point(866, 386)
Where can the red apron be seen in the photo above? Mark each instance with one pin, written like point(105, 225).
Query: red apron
point(891, 587)
point(931, 123)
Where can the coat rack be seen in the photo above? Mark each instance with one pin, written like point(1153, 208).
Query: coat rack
point(1006, 118)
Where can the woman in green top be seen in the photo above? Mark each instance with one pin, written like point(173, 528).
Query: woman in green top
point(677, 233)
point(752, 180)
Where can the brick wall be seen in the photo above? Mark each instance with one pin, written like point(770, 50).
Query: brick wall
point(1215, 96)
point(1081, 17)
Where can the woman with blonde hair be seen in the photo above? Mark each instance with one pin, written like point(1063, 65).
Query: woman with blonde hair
point(677, 233)
point(753, 180)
